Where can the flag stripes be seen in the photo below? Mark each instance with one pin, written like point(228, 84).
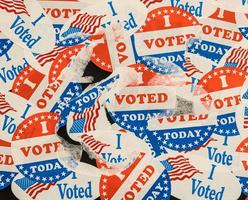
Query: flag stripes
point(147, 3)
point(84, 23)
point(50, 56)
point(15, 6)
point(93, 144)
point(37, 188)
point(181, 168)
point(87, 23)
point(238, 58)
point(190, 68)
point(32, 188)
point(90, 115)
point(245, 122)
point(4, 105)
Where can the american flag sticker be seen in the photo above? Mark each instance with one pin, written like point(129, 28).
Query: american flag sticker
point(33, 188)
point(179, 168)
point(238, 58)
point(14, 6)
point(86, 121)
point(85, 24)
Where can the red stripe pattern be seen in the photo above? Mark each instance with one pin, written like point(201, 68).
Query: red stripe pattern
point(14, 6)
point(37, 188)
point(238, 58)
point(245, 122)
point(93, 144)
point(87, 23)
point(50, 56)
point(90, 115)
point(182, 168)
point(4, 105)
point(206, 144)
point(190, 68)
point(147, 3)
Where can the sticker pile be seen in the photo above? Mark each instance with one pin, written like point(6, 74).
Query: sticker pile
point(134, 99)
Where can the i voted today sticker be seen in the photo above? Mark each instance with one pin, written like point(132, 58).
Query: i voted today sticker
point(33, 86)
point(158, 34)
point(223, 85)
point(147, 44)
point(35, 146)
point(188, 127)
point(26, 85)
point(141, 100)
point(182, 132)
